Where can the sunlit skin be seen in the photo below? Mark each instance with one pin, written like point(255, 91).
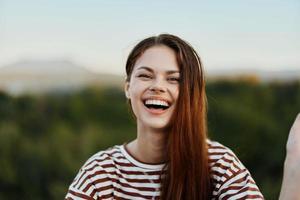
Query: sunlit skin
point(291, 178)
point(155, 76)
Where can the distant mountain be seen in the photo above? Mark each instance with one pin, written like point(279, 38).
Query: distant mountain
point(58, 75)
point(36, 76)
point(260, 75)
point(40, 68)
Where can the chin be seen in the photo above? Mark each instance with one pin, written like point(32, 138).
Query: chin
point(157, 126)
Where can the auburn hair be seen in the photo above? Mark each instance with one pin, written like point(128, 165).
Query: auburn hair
point(187, 174)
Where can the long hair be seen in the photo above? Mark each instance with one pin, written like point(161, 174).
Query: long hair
point(187, 174)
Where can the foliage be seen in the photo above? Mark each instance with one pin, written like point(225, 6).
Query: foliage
point(45, 139)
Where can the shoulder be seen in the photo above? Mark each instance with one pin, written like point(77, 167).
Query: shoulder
point(104, 159)
point(222, 161)
point(94, 178)
point(230, 178)
point(219, 154)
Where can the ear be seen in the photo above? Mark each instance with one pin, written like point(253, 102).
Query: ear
point(126, 88)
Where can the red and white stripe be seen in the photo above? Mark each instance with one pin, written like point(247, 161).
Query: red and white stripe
point(115, 174)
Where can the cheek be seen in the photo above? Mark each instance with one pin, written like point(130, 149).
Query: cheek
point(136, 92)
point(137, 88)
point(175, 93)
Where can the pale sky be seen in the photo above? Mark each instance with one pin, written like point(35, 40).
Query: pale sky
point(98, 34)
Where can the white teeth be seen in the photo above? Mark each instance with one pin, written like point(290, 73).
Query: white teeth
point(156, 102)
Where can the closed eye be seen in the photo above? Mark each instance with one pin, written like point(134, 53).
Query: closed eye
point(144, 76)
point(174, 79)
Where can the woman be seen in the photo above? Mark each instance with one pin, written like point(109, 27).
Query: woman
point(171, 158)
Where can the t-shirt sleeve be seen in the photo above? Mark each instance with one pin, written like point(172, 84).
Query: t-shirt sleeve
point(92, 181)
point(232, 180)
point(82, 187)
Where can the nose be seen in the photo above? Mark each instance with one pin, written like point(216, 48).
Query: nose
point(157, 85)
point(156, 89)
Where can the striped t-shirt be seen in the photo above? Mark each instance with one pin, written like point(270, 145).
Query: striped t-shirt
point(115, 174)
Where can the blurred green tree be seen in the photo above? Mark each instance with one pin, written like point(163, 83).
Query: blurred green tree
point(44, 140)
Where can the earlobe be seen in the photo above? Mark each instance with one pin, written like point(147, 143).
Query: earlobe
point(127, 90)
point(127, 94)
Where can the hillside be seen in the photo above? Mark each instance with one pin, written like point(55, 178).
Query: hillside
point(57, 75)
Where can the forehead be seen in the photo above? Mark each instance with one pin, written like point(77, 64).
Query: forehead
point(158, 58)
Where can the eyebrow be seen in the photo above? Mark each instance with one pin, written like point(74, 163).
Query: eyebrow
point(151, 70)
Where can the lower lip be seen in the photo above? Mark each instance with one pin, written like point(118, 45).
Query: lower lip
point(156, 111)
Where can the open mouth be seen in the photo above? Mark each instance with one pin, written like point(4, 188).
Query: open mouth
point(156, 104)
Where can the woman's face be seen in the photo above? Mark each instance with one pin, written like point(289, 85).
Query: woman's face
point(154, 87)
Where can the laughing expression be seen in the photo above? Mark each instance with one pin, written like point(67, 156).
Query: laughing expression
point(154, 87)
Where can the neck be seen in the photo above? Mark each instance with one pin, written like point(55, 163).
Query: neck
point(149, 146)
